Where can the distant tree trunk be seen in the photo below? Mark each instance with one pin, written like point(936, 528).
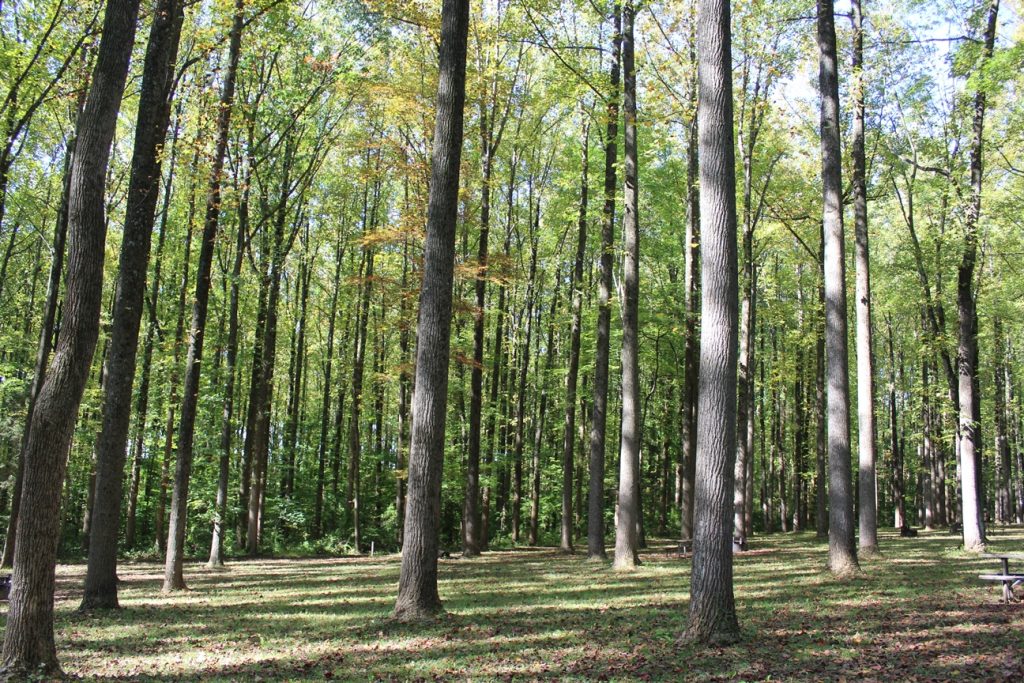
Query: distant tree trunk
point(298, 366)
point(524, 369)
point(1004, 507)
point(576, 289)
point(28, 648)
point(160, 518)
point(227, 414)
point(967, 308)
point(325, 414)
point(538, 433)
point(799, 441)
point(841, 545)
point(252, 409)
point(498, 404)
point(119, 372)
point(868, 514)
point(712, 617)
point(927, 454)
point(417, 586)
point(691, 349)
point(898, 491)
point(354, 430)
point(599, 414)
point(626, 537)
point(820, 480)
point(173, 576)
point(263, 376)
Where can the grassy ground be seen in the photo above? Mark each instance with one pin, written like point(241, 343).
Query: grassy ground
point(917, 613)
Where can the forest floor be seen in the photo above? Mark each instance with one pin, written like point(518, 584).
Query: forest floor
point(918, 612)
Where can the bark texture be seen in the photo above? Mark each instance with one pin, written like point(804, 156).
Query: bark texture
point(712, 617)
point(626, 536)
point(967, 307)
point(866, 421)
point(417, 585)
point(599, 411)
point(119, 373)
point(28, 647)
point(842, 551)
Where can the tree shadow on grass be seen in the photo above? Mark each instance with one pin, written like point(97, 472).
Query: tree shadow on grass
point(917, 612)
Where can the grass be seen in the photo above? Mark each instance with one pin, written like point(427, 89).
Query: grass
point(918, 612)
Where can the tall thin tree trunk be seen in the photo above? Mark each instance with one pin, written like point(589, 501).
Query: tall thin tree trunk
point(599, 414)
point(626, 537)
point(524, 369)
point(119, 371)
point(325, 414)
point(417, 586)
point(691, 348)
point(967, 308)
point(538, 433)
point(868, 514)
point(173, 575)
point(712, 616)
point(152, 330)
point(841, 545)
point(29, 648)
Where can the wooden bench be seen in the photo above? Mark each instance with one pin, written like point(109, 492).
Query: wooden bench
point(1009, 579)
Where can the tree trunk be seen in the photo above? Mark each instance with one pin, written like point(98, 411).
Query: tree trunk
point(576, 288)
point(626, 539)
point(152, 330)
point(820, 480)
point(691, 349)
point(354, 431)
point(28, 648)
point(967, 308)
point(325, 414)
point(524, 369)
point(538, 433)
point(841, 545)
point(119, 373)
point(900, 514)
point(417, 587)
point(712, 617)
point(599, 414)
point(262, 397)
point(868, 514)
point(173, 576)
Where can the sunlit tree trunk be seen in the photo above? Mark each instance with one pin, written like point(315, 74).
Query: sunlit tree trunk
point(712, 617)
point(29, 649)
point(417, 586)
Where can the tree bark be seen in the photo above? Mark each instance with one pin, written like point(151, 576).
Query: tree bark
point(173, 576)
point(842, 547)
point(119, 373)
point(691, 349)
point(538, 433)
point(417, 586)
point(626, 537)
point(29, 648)
point(325, 414)
point(599, 413)
point(712, 617)
point(967, 308)
point(576, 288)
point(867, 513)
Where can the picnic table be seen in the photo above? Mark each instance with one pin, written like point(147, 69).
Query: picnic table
point(1009, 579)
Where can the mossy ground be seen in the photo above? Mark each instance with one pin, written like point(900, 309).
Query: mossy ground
point(917, 612)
